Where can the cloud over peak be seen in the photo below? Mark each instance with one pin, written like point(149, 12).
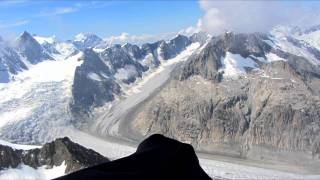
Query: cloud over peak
point(250, 16)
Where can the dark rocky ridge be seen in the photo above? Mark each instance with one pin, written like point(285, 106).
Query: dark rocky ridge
point(10, 62)
point(52, 154)
point(28, 47)
point(92, 92)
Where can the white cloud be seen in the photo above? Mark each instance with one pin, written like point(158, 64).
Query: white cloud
point(4, 25)
point(250, 16)
point(58, 11)
point(75, 7)
point(6, 3)
point(137, 39)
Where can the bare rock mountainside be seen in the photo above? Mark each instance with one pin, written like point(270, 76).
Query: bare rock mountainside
point(62, 150)
point(243, 96)
point(104, 74)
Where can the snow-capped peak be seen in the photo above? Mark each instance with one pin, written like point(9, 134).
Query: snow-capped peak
point(43, 40)
point(82, 37)
point(85, 40)
point(25, 36)
point(284, 31)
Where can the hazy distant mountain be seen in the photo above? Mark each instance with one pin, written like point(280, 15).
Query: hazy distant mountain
point(83, 40)
point(56, 48)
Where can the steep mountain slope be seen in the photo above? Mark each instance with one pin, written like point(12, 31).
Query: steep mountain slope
point(56, 48)
point(29, 48)
point(109, 73)
point(93, 84)
point(10, 62)
point(243, 97)
point(43, 94)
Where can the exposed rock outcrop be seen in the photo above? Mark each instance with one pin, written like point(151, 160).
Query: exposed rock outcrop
point(29, 48)
point(52, 154)
point(93, 83)
point(102, 74)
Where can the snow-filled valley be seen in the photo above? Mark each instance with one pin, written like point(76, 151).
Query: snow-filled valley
point(38, 100)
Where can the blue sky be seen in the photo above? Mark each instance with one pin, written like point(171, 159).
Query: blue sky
point(147, 20)
point(104, 18)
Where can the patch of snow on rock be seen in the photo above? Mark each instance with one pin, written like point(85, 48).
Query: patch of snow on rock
point(273, 57)
point(94, 76)
point(233, 65)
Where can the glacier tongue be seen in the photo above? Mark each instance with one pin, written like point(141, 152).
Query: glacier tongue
point(109, 122)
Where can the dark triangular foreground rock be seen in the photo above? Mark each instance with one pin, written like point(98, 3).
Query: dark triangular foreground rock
point(55, 153)
point(157, 157)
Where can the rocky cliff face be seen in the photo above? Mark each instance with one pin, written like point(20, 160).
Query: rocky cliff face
point(29, 48)
point(52, 154)
point(93, 83)
point(240, 96)
point(103, 74)
point(10, 62)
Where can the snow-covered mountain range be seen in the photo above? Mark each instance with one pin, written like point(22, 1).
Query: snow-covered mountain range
point(85, 74)
point(50, 87)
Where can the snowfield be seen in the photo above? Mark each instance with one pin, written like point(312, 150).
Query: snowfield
point(234, 65)
point(29, 173)
point(41, 93)
point(18, 146)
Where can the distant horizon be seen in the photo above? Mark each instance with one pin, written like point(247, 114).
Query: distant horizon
point(65, 19)
point(144, 21)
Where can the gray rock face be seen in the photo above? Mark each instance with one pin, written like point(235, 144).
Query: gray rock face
point(93, 83)
point(133, 50)
point(118, 58)
point(272, 113)
point(28, 47)
point(50, 48)
point(98, 79)
point(10, 62)
point(52, 154)
point(208, 61)
point(200, 37)
point(178, 44)
point(166, 50)
point(9, 157)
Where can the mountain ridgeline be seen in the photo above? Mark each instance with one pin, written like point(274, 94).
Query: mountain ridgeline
point(14, 58)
